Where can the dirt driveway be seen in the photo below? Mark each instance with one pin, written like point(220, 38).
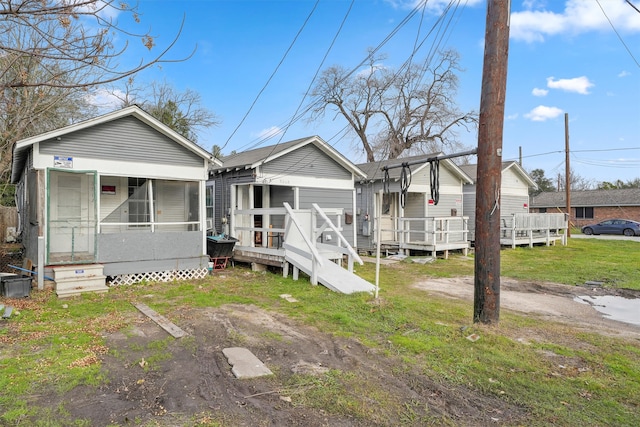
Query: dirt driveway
point(549, 301)
point(153, 379)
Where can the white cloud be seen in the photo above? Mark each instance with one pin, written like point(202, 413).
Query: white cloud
point(537, 22)
point(543, 113)
point(624, 74)
point(539, 92)
point(268, 132)
point(435, 6)
point(106, 100)
point(512, 116)
point(579, 85)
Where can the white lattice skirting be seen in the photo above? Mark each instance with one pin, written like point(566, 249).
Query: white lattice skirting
point(159, 276)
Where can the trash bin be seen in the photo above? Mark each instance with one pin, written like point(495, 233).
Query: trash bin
point(220, 249)
point(15, 286)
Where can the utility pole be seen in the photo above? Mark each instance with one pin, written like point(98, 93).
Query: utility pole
point(567, 173)
point(486, 305)
point(520, 155)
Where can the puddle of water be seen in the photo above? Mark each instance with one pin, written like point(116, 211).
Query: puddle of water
point(616, 308)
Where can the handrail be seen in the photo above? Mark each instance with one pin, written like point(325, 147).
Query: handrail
point(315, 256)
point(328, 221)
point(311, 246)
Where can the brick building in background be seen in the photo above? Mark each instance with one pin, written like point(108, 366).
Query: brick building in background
point(591, 206)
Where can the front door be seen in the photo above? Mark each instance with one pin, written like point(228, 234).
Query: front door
point(389, 216)
point(72, 217)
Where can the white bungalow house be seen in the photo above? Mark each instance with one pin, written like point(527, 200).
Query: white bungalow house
point(118, 198)
point(414, 221)
point(518, 225)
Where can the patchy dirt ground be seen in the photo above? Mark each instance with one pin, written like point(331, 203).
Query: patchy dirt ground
point(196, 380)
point(549, 301)
point(194, 383)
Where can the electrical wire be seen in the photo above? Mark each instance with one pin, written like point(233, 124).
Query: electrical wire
point(318, 100)
point(318, 68)
point(434, 180)
point(272, 74)
point(385, 181)
point(405, 183)
point(618, 34)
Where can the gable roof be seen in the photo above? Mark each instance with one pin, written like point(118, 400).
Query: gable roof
point(588, 198)
point(374, 169)
point(472, 171)
point(253, 158)
point(22, 147)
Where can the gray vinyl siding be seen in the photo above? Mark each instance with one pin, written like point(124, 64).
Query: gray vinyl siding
point(329, 198)
point(278, 195)
point(513, 204)
point(126, 139)
point(414, 208)
point(222, 195)
point(365, 201)
point(126, 253)
point(307, 161)
point(446, 202)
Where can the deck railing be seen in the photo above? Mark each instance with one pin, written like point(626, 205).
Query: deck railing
point(533, 227)
point(314, 233)
point(431, 230)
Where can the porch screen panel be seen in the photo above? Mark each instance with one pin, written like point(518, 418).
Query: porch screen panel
point(414, 209)
point(72, 217)
point(178, 202)
point(133, 213)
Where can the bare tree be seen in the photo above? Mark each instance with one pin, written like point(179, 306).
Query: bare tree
point(68, 37)
point(576, 182)
point(181, 111)
point(393, 112)
point(52, 53)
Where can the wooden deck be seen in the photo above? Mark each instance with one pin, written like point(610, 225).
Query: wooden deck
point(431, 234)
point(299, 245)
point(529, 229)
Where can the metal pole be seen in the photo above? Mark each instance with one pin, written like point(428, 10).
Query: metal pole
point(567, 180)
point(430, 159)
point(378, 237)
point(486, 307)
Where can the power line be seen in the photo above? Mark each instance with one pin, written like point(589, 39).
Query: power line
point(318, 68)
point(316, 101)
point(272, 74)
point(617, 34)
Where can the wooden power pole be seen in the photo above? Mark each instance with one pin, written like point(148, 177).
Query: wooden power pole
point(486, 306)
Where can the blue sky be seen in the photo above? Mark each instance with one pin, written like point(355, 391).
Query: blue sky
point(580, 57)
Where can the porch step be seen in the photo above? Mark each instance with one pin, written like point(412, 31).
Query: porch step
point(331, 275)
point(73, 280)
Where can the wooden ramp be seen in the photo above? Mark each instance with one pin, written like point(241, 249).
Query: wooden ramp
point(329, 274)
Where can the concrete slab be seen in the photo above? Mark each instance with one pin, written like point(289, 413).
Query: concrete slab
point(244, 363)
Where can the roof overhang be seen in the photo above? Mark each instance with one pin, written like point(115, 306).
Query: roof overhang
point(22, 147)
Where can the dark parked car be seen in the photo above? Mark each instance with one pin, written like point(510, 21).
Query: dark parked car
point(613, 226)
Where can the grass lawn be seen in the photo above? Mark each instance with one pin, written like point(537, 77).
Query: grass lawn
point(590, 380)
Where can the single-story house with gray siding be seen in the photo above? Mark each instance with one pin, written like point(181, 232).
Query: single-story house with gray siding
point(419, 211)
point(299, 172)
point(116, 198)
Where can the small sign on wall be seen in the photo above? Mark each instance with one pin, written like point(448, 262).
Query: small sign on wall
point(63, 162)
point(109, 189)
